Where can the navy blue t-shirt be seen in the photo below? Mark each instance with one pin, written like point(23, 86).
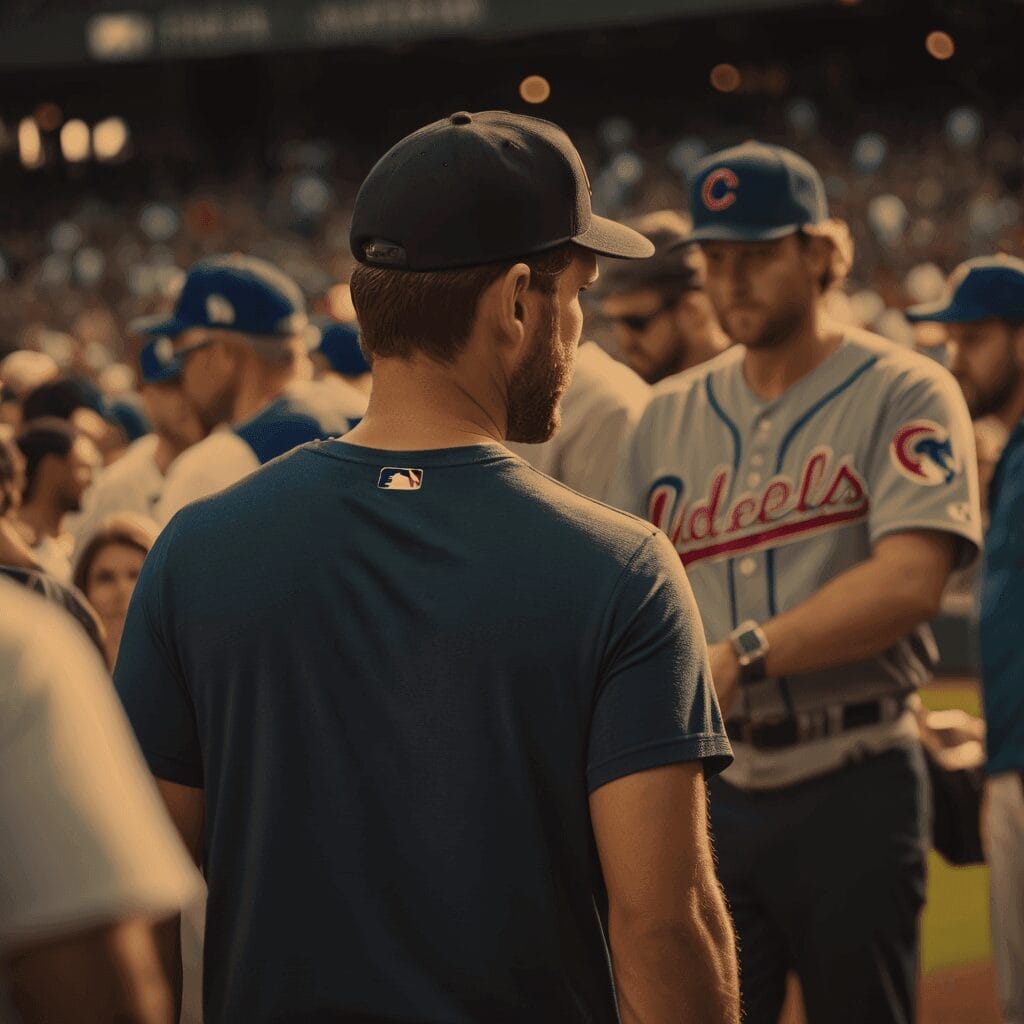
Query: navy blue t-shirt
point(398, 676)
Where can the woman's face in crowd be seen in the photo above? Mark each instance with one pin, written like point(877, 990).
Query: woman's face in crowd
point(111, 581)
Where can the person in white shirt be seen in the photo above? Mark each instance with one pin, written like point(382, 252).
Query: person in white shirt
point(135, 482)
point(59, 467)
point(88, 858)
point(239, 336)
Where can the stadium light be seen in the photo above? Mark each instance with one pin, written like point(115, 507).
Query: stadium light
point(109, 138)
point(726, 77)
point(940, 45)
point(74, 141)
point(535, 89)
point(30, 144)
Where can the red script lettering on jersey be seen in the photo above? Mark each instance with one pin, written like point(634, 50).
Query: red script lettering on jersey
point(827, 494)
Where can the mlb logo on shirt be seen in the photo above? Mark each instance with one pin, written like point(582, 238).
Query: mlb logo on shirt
point(394, 479)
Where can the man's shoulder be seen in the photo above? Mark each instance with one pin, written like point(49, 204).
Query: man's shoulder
point(895, 365)
point(569, 517)
point(695, 385)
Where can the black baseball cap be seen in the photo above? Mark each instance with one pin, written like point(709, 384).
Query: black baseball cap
point(481, 188)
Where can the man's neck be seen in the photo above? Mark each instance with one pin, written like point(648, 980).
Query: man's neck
point(42, 518)
point(1013, 412)
point(166, 452)
point(258, 387)
point(707, 348)
point(771, 371)
point(419, 405)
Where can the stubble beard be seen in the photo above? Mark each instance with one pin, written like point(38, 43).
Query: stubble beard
point(537, 386)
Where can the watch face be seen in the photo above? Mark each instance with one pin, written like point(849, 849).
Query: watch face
point(749, 644)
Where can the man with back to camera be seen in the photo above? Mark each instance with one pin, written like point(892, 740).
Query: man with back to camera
point(450, 706)
point(819, 485)
point(984, 315)
point(238, 338)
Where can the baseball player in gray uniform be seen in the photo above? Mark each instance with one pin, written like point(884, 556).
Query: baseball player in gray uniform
point(819, 484)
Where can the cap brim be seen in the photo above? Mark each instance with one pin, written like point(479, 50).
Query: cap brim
point(157, 326)
point(609, 238)
point(738, 233)
point(946, 312)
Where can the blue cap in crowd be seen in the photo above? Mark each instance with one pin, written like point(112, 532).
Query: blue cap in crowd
point(987, 288)
point(233, 293)
point(339, 345)
point(157, 361)
point(754, 192)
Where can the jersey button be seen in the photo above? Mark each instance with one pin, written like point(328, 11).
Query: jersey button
point(748, 566)
point(757, 459)
point(753, 480)
point(764, 425)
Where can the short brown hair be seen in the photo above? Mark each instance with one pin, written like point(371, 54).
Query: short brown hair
point(125, 528)
point(404, 311)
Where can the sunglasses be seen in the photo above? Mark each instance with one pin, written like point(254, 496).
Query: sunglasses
point(638, 323)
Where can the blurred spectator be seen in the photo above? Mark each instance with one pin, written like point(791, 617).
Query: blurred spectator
point(80, 889)
point(135, 482)
point(59, 466)
point(663, 321)
point(20, 373)
point(80, 402)
point(239, 338)
point(107, 568)
point(984, 314)
point(14, 550)
point(339, 357)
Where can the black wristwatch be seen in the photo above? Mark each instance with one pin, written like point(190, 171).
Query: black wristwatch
point(751, 646)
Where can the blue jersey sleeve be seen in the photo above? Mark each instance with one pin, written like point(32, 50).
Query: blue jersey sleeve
point(656, 704)
point(149, 678)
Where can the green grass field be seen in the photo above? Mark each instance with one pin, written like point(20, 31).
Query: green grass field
point(955, 923)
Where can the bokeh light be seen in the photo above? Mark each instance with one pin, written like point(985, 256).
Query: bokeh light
point(109, 138)
point(726, 77)
point(30, 144)
point(940, 45)
point(964, 127)
point(869, 152)
point(74, 141)
point(48, 116)
point(535, 89)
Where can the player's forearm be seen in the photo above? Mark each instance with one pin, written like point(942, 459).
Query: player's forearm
point(857, 615)
point(678, 972)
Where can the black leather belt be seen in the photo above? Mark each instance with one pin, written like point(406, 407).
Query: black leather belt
point(814, 725)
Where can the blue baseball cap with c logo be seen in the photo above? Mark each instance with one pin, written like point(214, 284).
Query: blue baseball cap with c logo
point(754, 193)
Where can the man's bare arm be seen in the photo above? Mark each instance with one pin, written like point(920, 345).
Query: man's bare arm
point(672, 945)
point(105, 975)
point(859, 613)
point(187, 808)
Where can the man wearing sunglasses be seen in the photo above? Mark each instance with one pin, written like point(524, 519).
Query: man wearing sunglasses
point(663, 321)
point(239, 339)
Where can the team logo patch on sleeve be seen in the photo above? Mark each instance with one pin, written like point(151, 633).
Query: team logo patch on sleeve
point(923, 452)
point(393, 478)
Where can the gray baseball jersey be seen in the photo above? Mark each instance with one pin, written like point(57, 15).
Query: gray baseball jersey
point(767, 500)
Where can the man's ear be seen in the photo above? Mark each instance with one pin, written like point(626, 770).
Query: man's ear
point(506, 304)
point(817, 252)
point(1018, 346)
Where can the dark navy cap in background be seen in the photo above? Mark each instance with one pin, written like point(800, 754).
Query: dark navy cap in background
point(754, 192)
point(479, 188)
point(233, 293)
point(157, 361)
point(987, 288)
point(339, 345)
